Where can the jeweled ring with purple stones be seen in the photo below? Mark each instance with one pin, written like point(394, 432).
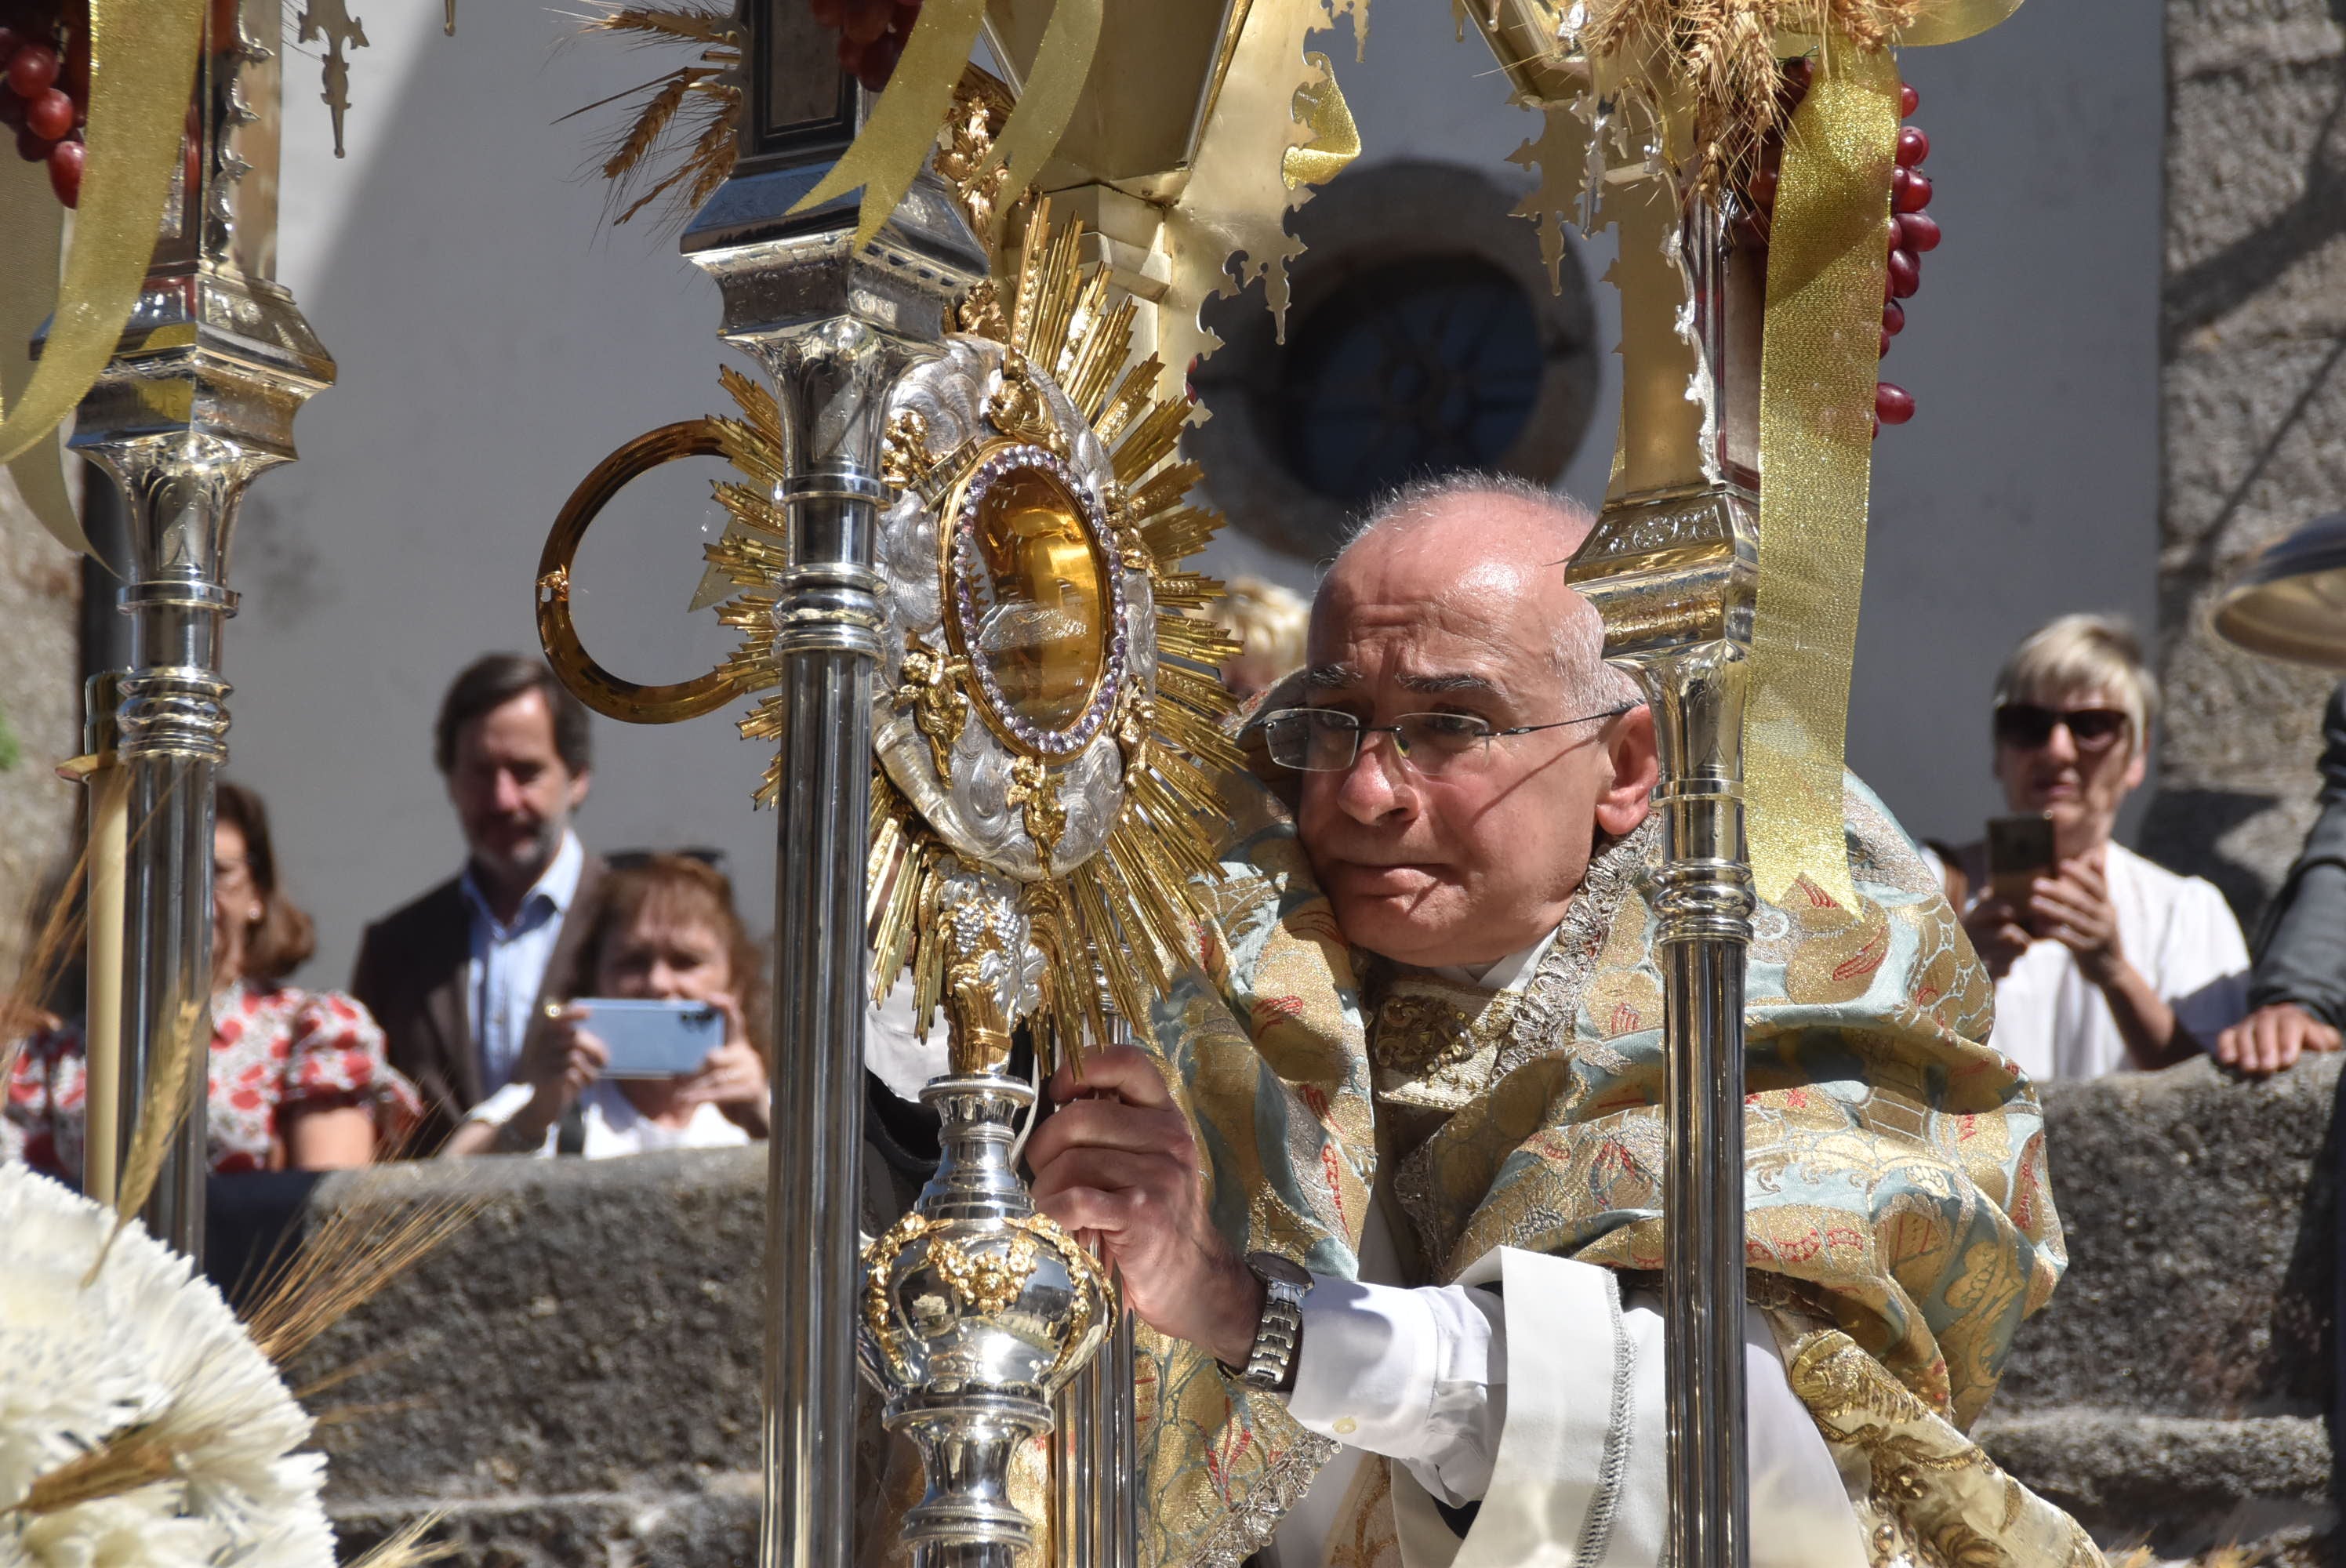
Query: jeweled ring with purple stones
point(1039, 600)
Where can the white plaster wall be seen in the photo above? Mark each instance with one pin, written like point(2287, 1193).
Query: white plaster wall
point(496, 339)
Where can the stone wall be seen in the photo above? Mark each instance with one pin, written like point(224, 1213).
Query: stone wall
point(40, 721)
point(2253, 400)
point(575, 1377)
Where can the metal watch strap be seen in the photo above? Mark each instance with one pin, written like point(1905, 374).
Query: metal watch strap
point(1278, 1338)
point(1278, 1343)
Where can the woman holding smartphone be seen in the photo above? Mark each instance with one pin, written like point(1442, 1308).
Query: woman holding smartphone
point(2102, 960)
point(663, 930)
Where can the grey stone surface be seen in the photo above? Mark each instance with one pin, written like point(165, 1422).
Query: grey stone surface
point(2201, 1236)
point(715, 1528)
point(596, 1330)
point(574, 1377)
point(40, 720)
point(2253, 404)
point(2183, 1485)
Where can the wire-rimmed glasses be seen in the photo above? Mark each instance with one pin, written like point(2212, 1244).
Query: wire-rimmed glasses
point(1329, 740)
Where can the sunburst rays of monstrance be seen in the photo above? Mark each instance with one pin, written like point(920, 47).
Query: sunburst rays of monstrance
point(1128, 912)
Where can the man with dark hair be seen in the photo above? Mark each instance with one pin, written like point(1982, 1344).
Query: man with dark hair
point(457, 977)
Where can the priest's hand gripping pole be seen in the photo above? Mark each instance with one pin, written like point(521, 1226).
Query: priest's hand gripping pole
point(199, 398)
point(1672, 566)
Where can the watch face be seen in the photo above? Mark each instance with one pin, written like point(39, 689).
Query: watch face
point(1276, 1270)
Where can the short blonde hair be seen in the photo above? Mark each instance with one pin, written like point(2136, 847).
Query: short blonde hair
point(2081, 653)
point(1268, 622)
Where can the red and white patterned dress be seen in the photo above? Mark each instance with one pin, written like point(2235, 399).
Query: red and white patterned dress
point(274, 1049)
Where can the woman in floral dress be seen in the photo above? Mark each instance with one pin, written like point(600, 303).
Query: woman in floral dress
point(298, 1079)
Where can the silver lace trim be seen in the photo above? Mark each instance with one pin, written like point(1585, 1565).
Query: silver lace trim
point(1544, 1022)
point(1612, 1469)
point(1247, 1526)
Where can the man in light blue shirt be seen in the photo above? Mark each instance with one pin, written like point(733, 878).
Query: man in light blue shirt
point(510, 955)
point(457, 977)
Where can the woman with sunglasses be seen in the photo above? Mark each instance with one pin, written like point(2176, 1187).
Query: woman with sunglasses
point(2110, 961)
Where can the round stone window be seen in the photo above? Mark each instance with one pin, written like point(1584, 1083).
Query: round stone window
point(1422, 338)
point(1423, 365)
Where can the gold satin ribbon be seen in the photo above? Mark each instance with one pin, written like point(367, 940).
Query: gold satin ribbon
point(1336, 138)
point(142, 71)
point(1063, 63)
point(1826, 267)
point(888, 152)
point(29, 243)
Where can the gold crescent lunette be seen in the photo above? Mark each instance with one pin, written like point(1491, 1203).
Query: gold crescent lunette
point(593, 685)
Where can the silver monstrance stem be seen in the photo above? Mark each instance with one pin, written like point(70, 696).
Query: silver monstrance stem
point(833, 325)
point(1672, 568)
point(199, 398)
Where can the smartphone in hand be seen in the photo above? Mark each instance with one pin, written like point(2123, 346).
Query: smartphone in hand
point(652, 1039)
point(2019, 851)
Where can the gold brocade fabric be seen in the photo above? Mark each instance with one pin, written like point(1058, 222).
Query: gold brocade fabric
point(1264, 1045)
point(1933, 1497)
point(1895, 1185)
point(1895, 1165)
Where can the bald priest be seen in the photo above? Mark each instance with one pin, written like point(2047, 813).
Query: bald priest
point(1387, 1190)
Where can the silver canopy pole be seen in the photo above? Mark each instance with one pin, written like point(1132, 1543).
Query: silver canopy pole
point(1672, 570)
point(199, 398)
point(833, 325)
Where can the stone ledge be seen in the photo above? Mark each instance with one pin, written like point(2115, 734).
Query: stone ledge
point(2202, 1250)
point(2182, 1484)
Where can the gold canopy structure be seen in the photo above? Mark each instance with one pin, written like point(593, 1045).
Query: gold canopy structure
point(2290, 601)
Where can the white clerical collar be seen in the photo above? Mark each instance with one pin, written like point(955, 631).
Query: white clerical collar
point(1499, 974)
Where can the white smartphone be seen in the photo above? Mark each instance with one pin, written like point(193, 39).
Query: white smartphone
point(652, 1039)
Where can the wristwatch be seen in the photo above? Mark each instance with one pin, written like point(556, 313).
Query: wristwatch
point(1279, 1334)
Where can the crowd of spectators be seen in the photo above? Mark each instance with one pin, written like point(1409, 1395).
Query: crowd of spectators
point(463, 1031)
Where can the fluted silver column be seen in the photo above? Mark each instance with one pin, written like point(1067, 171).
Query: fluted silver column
point(198, 399)
point(1673, 571)
point(833, 327)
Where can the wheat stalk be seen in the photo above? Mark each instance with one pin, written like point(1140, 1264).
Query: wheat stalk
point(60, 930)
point(652, 119)
point(406, 1548)
point(160, 1117)
point(654, 23)
point(352, 1254)
point(124, 1462)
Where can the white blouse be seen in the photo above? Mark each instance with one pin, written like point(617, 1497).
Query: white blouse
point(613, 1126)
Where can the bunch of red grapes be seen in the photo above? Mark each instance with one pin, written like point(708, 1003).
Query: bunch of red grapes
point(45, 85)
point(1908, 235)
point(872, 35)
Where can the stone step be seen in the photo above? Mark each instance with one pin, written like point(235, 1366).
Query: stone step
point(2180, 1484)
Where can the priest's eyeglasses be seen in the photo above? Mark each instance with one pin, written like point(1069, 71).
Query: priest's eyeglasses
point(1329, 740)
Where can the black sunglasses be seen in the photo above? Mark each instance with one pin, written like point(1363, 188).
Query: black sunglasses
point(2028, 724)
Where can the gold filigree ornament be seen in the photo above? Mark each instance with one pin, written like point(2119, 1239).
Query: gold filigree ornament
point(1033, 556)
point(1036, 583)
point(986, 1283)
point(880, 1254)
